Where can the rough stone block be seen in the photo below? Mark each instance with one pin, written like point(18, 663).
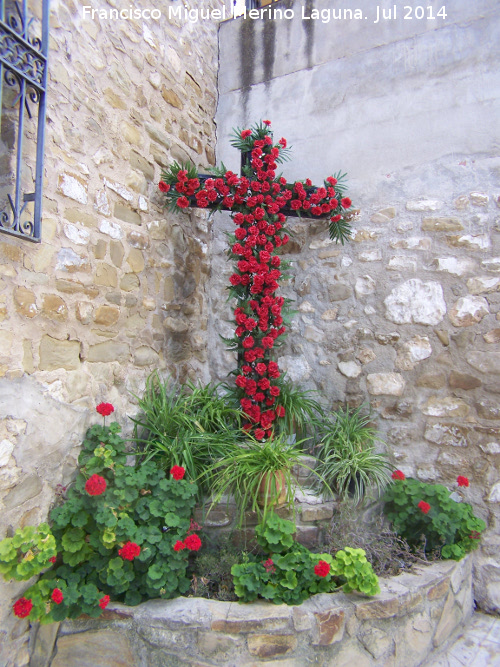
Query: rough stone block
point(94, 648)
point(271, 646)
point(378, 609)
point(441, 225)
point(56, 354)
point(329, 627)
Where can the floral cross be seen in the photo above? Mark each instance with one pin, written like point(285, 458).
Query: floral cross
point(259, 200)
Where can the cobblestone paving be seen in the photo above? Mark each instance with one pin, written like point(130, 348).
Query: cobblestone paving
point(477, 646)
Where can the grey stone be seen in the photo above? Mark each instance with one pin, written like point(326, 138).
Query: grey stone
point(30, 487)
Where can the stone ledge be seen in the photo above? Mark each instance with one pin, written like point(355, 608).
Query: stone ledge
point(414, 614)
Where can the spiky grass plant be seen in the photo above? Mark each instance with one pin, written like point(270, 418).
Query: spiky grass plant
point(347, 459)
point(189, 425)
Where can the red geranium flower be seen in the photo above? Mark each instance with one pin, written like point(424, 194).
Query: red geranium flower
point(179, 546)
point(177, 472)
point(105, 409)
point(129, 551)
point(269, 566)
point(95, 485)
point(22, 607)
point(322, 569)
point(57, 596)
point(398, 474)
point(423, 506)
point(103, 602)
point(192, 542)
point(462, 481)
point(164, 187)
point(53, 559)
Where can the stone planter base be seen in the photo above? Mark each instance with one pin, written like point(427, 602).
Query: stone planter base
point(414, 615)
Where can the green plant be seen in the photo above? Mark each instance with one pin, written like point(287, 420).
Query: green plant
point(123, 532)
point(353, 570)
point(348, 461)
point(292, 573)
point(428, 518)
point(275, 535)
point(187, 425)
point(304, 415)
point(256, 474)
point(27, 553)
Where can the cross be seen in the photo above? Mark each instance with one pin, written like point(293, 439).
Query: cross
point(259, 200)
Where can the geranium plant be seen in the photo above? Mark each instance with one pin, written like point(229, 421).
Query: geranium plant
point(428, 518)
point(291, 573)
point(259, 201)
point(114, 536)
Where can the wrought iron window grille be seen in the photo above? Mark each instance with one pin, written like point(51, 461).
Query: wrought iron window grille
point(23, 68)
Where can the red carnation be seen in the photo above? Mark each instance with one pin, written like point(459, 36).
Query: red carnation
point(164, 187)
point(57, 596)
point(177, 472)
point(246, 133)
point(95, 485)
point(462, 481)
point(259, 433)
point(322, 569)
point(179, 546)
point(22, 607)
point(424, 507)
point(282, 142)
point(105, 409)
point(346, 202)
point(183, 202)
point(280, 411)
point(398, 474)
point(192, 542)
point(267, 122)
point(129, 551)
point(103, 602)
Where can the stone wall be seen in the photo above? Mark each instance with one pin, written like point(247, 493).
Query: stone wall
point(414, 615)
point(406, 316)
point(116, 288)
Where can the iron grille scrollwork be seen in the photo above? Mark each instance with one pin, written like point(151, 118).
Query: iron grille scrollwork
point(23, 68)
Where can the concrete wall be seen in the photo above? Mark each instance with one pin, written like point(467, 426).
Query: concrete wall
point(406, 317)
point(116, 287)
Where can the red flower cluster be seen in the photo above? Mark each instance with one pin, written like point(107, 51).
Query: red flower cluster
point(95, 485)
point(177, 472)
point(57, 596)
point(103, 602)
point(269, 566)
point(105, 409)
point(424, 507)
point(462, 481)
point(398, 474)
point(53, 559)
point(322, 569)
point(191, 542)
point(22, 607)
point(129, 551)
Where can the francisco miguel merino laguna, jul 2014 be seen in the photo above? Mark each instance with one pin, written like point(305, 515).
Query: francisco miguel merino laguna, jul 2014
point(268, 13)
